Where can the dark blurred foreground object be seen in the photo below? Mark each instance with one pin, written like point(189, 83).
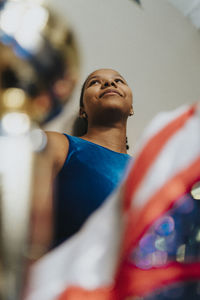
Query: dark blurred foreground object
point(39, 55)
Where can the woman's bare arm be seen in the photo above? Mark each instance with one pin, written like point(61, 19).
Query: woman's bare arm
point(46, 167)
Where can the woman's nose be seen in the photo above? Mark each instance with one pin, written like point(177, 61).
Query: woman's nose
point(109, 83)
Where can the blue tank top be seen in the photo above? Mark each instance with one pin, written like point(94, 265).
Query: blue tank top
point(88, 176)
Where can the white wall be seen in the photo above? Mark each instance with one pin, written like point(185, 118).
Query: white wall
point(154, 47)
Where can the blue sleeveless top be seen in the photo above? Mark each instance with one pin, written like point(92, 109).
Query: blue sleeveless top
point(88, 176)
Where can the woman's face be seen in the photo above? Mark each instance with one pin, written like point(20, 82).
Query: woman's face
point(106, 91)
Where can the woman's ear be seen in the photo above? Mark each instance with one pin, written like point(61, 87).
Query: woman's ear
point(131, 111)
point(82, 113)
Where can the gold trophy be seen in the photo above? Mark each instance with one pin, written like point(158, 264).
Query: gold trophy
point(39, 67)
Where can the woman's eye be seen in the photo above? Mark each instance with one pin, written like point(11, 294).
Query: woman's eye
point(119, 80)
point(93, 82)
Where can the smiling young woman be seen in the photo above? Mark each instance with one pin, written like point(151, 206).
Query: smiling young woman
point(106, 100)
point(86, 169)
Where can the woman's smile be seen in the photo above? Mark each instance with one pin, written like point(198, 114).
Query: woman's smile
point(110, 92)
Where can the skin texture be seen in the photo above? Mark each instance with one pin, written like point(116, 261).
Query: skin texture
point(107, 104)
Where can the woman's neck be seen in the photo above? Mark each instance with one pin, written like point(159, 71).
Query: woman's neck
point(112, 138)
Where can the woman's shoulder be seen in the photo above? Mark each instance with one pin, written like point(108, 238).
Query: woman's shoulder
point(56, 137)
point(57, 148)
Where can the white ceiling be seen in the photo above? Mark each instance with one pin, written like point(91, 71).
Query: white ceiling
point(190, 8)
